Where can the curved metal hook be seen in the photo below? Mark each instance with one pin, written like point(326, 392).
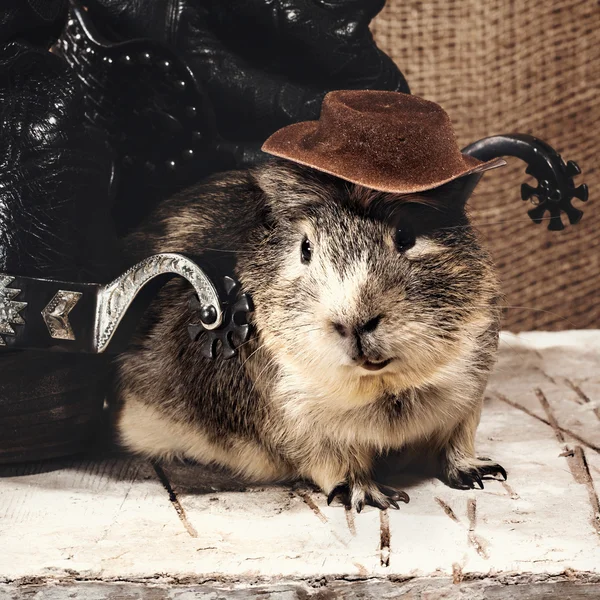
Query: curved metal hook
point(555, 188)
point(115, 298)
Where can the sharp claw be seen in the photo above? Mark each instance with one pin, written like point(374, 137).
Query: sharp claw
point(392, 496)
point(496, 470)
point(338, 489)
point(474, 477)
point(467, 481)
point(377, 503)
point(393, 493)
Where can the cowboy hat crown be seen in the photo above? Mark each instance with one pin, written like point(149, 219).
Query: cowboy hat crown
point(387, 141)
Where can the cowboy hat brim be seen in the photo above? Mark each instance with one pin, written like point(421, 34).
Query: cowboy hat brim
point(297, 143)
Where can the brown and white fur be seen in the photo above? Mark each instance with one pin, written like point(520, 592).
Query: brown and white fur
point(307, 396)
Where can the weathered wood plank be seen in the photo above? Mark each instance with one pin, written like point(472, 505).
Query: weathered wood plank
point(275, 531)
point(559, 367)
point(82, 516)
point(418, 589)
point(113, 518)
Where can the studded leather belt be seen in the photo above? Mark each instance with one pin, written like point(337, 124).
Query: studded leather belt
point(93, 318)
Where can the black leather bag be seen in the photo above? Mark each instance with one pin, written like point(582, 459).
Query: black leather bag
point(55, 193)
point(188, 88)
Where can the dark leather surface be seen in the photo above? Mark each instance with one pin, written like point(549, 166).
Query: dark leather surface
point(261, 64)
point(36, 21)
point(265, 63)
point(55, 173)
point(55, 181)
point(50, 404)
point(37, 294)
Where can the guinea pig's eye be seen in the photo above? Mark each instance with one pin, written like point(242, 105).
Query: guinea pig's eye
point(306, 251)
point(404, 238)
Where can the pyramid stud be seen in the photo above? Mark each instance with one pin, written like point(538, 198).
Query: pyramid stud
point(9, 308)
point(56, 314)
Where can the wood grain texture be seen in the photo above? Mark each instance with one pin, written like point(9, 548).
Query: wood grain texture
point(417, 589)
point(75, 526)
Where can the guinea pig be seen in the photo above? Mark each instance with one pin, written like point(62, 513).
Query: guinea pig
point(375, 326)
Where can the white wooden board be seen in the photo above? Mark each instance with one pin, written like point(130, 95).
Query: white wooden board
point(118, 519)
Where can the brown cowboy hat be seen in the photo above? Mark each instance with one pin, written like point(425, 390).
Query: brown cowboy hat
point(386, 141)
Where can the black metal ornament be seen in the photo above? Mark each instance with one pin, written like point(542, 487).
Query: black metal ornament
point(556, 188)
point(558, 199)
point(234, 329)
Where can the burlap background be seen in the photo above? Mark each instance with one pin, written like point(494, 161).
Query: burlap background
point(502, 66)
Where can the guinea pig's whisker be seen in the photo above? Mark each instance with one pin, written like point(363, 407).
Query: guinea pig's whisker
point(430, 327)
point(519, 337)
point(476, 224)
point(282, 329)
point(512, 347)
point(250, 341)
point(434, 349)
point(528, 220)
point(298, 328)
point(256, 350)
point(269, 364)
point(532, 308)
point(422, 336)
point(435, 330)
point(460, 310)
point(249, 357)
point(423, 333)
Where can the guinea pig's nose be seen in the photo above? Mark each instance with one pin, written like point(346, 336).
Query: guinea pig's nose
point(343, 330)
point(358, 330)
point(370, 325)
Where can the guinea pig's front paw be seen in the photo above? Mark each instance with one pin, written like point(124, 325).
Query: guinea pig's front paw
point(465, 477)
point(357, 494)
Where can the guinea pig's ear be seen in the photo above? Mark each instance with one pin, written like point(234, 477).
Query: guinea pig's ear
point(456, 193)
point(289, 188)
